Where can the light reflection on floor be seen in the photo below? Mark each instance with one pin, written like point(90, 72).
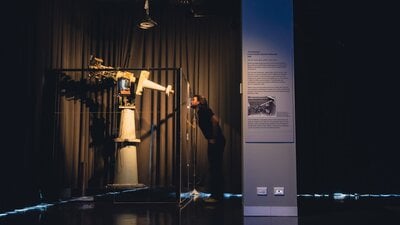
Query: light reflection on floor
point(327, 209)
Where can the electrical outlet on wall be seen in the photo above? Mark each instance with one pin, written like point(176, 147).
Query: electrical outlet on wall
point(279, 191)
point(262, 191)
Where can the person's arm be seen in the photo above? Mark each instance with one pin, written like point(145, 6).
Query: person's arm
point(214, 122)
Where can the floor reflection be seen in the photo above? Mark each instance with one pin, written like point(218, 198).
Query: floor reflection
point(99, 214)
point(312, 211)
point(226, 212)
point(106, 213)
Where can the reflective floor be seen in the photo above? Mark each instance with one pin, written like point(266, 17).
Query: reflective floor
point(312, 211)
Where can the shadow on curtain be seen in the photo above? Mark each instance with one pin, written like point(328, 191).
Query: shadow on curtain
point(208, 50)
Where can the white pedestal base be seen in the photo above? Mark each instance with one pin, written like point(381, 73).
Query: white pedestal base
point(126, 168)
point(126, 172)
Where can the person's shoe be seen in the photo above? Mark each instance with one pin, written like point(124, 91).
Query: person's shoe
point(211, 200)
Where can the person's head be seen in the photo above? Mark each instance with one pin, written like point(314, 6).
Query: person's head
point(198, 101)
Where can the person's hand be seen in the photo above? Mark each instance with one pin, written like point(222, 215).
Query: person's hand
point(212, 141)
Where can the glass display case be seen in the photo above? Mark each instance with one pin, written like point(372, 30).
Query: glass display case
point(123, 134)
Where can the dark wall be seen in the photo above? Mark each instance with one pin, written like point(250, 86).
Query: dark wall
point(346, 90)
point(18, 159)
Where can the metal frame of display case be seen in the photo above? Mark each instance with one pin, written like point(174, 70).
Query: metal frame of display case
point(178, 121)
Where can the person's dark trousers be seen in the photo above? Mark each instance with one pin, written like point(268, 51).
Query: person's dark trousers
point(215, 160)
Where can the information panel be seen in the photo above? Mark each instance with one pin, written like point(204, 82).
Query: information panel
point(268, 71)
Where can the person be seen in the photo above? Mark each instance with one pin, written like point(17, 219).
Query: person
point(208, 123)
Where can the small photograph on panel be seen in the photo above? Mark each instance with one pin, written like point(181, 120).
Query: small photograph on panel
point(261, 106)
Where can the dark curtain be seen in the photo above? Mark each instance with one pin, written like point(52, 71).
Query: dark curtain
point(67, 125)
